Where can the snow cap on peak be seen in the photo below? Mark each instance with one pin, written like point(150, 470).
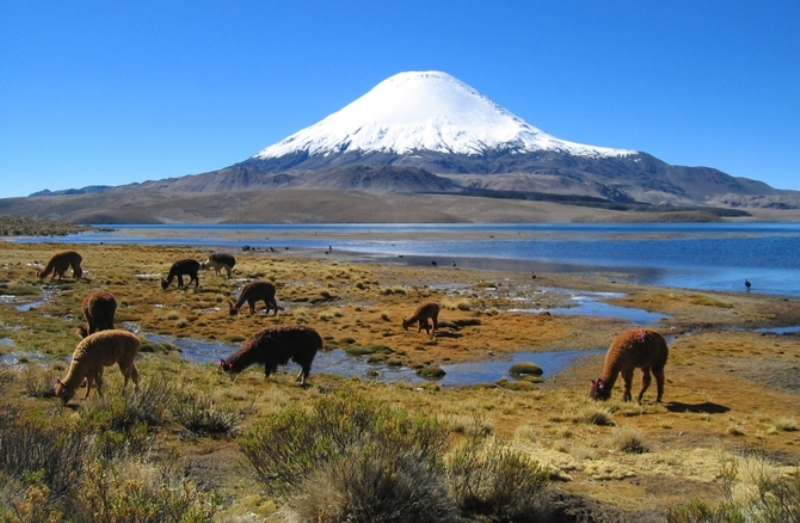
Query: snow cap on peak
point(424, 110)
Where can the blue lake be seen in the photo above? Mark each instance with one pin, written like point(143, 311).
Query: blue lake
point(717, 256)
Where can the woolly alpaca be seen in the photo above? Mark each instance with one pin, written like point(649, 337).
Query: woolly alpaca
point(181, 268)
point(60, 262)
point(274, 346)
point(634, 348)
point(93, 353)
point(421, 314)
point(99, 308)
point(253, 292)
point(219, 261)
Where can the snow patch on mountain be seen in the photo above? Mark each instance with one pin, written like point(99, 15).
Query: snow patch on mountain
point(425, 110)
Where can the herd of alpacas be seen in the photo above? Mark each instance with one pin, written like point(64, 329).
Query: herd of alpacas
point(102, 345)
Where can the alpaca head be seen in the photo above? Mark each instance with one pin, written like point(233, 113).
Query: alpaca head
point(228, 368)
point(233, 310)
point(599, 390)
point(406, 323)
point(60, 390)
point(164, 285)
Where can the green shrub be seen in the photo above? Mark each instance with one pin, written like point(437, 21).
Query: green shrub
point(352, 459)
point(38, 446)
point(493, 483)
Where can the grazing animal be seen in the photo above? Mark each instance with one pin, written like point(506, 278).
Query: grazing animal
point(60, 262)
point(635, 348)
point(220, 260)
point(274, 346)
point(181, 268)
point(93, 353)
point(253, 292)
point(421, 314)
point(99, 308)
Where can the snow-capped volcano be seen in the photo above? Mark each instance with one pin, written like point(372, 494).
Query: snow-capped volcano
point(425, 111)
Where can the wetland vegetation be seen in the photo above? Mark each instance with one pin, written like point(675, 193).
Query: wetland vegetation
point(194, 446)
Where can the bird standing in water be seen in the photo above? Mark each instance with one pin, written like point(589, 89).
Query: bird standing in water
point(747, 284)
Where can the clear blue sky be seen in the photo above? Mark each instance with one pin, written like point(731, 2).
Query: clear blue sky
point(114, 92)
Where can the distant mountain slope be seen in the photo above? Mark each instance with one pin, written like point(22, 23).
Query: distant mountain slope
point(417, 133)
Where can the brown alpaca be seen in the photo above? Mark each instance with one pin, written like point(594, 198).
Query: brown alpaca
point(253, 292)
point(421, 314)
point(274, 346)
point(60, 262)
point(218, 261)
point(635, 348)
point(181, 268)
point(99, 308)
point(95, 352)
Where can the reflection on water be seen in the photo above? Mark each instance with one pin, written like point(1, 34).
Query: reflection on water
point(779, 330)
point(339, 363)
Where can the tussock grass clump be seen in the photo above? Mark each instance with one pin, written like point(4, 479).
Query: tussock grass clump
point(525, 368)
point(38, 383)
point(628, 440)
point(759, 493)
point(784, 424)
point(200, 415)
point(595, 415)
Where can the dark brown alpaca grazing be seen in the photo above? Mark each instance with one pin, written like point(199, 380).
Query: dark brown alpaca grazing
point(181, 268)
point(252, 293)
point(60, 262)
point(421, 314)
point(218, 261)
point(99, 308)
point(275, 346)
point(635, 348)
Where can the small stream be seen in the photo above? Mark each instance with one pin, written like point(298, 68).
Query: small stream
point(340, 363)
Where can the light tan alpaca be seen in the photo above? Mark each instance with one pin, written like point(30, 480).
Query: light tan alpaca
point(58, 264)
point(99, 308)
point(253, 292)
point(218, 261)
point(421, 314)
point(635, 348)
point(93, 353)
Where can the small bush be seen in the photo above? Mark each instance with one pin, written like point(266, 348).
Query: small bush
point(494, 483)
point(352, 459)
point(38, 446)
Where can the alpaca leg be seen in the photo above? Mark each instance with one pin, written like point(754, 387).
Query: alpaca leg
point(646, 380)
point(229, 271)
point(180, 281)
point(659, 383)
point(99, 379)
point(274, 306)
point(627, 380)
point(435, 320)
point(89, 380)
point(252, 304)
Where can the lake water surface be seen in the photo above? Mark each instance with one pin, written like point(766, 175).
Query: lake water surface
point(717, 256)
